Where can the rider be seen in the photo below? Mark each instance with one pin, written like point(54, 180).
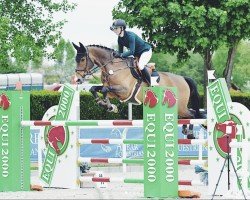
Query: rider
point(136, 47)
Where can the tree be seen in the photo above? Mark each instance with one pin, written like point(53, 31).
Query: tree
point(241, 74)
point(169, 63)
point(177, 26)
point(64, 56)
point(37, 61)
point(237, 28)
point(4, 46)
point(29, 28)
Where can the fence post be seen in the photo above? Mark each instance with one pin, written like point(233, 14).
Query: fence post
point(60, 164)
point(160, 142)
point(14, 141)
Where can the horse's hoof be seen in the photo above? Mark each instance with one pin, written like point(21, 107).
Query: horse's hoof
point(113, 108)
point(184, 131)
point(204, 126)
point(102, 103)
point(190, 136)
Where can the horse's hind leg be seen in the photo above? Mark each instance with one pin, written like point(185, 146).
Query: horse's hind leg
point(187, 130)
point(190, 134)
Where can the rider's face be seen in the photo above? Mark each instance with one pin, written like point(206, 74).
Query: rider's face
point(117, 30)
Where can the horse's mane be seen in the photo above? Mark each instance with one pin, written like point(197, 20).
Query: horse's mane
point(100, 46)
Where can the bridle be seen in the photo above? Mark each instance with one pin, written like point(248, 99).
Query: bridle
point(90, 68)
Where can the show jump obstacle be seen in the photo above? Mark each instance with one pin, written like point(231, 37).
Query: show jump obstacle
point(160, 126)
point(59, 143)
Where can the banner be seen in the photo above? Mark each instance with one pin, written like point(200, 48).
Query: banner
point(115, 151)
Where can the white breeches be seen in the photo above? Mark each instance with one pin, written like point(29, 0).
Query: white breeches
point(144, 59)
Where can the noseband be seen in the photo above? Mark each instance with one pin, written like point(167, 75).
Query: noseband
point(90, 67)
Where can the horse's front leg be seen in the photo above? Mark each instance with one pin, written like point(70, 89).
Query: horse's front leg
point(117, 90)
point(110, 107)
point(94, 90)
point(99, 101)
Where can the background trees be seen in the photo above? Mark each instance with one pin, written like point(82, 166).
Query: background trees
point(183, 26)
point(63, 69)
point(189, 37)
point(27, 30)
point(241, 72)
point(193, 66)
point(237, 28)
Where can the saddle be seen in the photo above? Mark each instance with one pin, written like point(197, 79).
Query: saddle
point(135, 71)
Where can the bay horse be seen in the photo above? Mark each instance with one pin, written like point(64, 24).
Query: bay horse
point(118, 81)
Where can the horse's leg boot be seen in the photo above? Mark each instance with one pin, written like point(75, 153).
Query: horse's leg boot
point(146, 76)
point(184, 129)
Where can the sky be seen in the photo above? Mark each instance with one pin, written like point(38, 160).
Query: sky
point(89, 23)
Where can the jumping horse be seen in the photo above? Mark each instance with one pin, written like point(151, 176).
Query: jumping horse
point(120, 80)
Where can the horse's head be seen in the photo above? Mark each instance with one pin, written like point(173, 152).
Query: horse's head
point(84, 63)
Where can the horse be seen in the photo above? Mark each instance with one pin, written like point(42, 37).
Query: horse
point(119, 80)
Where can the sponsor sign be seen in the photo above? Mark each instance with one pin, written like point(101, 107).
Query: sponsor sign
point(160, 142)
point(14, 141)
point(224, 118)
point(57, 138)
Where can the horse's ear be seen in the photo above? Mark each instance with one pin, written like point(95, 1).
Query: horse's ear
point(76, 47)
point(82, 48)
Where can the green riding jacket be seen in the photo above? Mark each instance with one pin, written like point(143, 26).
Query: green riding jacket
point(134, 43)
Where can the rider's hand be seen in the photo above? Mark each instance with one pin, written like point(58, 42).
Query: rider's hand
point(117, 54)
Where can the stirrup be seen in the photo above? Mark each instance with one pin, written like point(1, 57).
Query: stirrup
point(155, 78)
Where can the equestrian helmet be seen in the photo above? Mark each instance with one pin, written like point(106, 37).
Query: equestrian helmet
point(118, 23)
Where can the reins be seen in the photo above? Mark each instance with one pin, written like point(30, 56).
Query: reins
point(103, 68)
point(93, 67)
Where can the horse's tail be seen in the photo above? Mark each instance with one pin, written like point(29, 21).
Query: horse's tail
point(194, 96)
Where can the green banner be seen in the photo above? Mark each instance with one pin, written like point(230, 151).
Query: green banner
point(160, 142)
point(56, 133)
point(14, 141)
point(219, 99)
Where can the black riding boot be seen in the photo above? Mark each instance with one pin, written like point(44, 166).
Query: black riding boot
point(146, 76)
